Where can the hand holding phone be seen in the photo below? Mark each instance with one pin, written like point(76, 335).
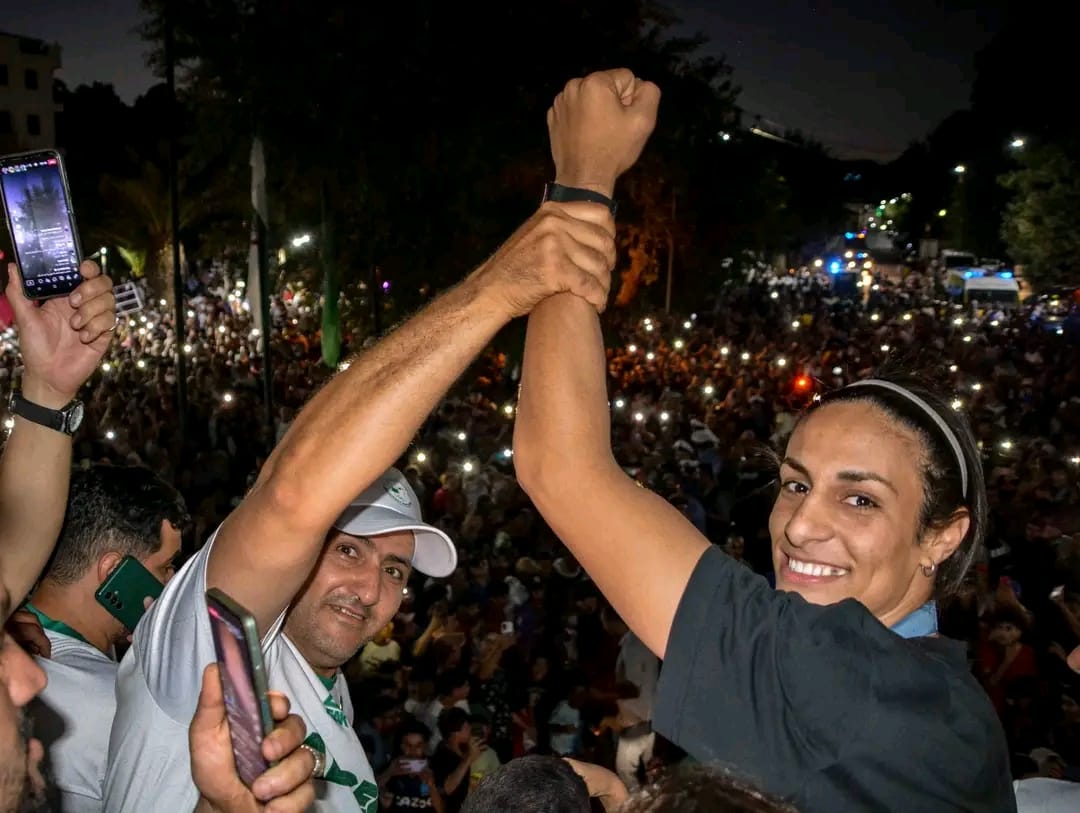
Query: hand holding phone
point(243, 682)
point(125, 592)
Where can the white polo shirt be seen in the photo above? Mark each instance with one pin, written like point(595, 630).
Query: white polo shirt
point(157, 690)
point(72, 717)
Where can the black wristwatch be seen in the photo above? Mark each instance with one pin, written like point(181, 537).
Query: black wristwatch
point(66, 420)
point(566, 194)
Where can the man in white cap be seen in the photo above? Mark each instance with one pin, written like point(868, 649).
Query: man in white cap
point(320, 569)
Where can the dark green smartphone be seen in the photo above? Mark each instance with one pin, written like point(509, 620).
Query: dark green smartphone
point(125, 592)
point(243, 682)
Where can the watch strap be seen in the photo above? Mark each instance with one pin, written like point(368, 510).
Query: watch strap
point(52, 418)
point(568, 194)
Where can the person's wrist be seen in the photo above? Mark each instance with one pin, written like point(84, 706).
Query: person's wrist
point(44, 394)
point(595, 181)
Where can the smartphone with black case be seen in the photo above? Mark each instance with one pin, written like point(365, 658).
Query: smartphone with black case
point(243, 682)
point(41, 222)
point(125, 591)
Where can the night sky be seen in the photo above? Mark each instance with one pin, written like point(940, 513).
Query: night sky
point(865, 78)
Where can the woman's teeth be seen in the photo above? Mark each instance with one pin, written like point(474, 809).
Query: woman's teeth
point(813, 569)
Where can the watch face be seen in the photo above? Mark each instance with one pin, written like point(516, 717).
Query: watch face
point(75, 416)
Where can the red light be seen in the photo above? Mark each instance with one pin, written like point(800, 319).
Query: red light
point(51, 162)
point(802, 383)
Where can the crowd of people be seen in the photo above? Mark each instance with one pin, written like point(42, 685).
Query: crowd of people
point(481, 656)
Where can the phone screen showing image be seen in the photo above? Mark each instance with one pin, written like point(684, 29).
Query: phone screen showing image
point(243, 705)
point(41, 223)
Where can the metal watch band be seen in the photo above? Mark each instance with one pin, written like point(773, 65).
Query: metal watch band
point(567, 194)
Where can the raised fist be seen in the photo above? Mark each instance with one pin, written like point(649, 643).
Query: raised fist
point(598, 127)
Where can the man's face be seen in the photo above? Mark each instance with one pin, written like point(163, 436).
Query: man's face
point(355, 591)
point(21, 679)
point(163, 563)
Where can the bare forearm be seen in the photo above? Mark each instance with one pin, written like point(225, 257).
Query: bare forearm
point(356, 427)
point(638, 549)
point(35, 472)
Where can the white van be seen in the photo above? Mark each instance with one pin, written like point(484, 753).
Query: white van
point(992, 290)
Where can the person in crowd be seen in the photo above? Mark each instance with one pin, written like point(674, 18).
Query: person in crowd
point(832, 690)
point(704, 789)
point(61, 342)
point(303, 541)
point(531, 784)
point(379, 650)
point(408, 783)
point(112, 512)
point(451, 691)
point(458, 750)
point(637, 669)
point(380, 725)
point(488, 761)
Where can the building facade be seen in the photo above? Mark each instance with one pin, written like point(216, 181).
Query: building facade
point(28, 104)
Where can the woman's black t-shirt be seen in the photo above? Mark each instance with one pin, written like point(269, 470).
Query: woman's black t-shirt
point(823, 705)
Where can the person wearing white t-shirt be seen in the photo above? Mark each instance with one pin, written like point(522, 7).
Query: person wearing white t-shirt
point(381, 649)
point(302, 541)
point(112, 512)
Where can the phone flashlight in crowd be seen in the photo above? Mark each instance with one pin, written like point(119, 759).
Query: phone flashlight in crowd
point(110, 434)
point(507, 627)
point(1057, 593)
point(227, 398)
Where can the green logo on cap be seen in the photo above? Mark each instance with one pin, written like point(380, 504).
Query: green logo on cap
point(398, 492)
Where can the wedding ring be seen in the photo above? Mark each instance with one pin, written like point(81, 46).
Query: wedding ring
point(115, 324)
point(320, 761)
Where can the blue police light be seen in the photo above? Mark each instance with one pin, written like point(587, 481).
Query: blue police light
point(1006, 275)
point(834, 267)
point(849, 235)
point(969, 274)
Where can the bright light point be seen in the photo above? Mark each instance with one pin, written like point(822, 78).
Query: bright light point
point(687, 324)
point(106, 367)
point(632, 348)
point(619, 403)
point(343, 366)
point(1075, 460)
point(1006, 445)
point(254, 333)
point(848, 255)
point(885, 348)
point(959, 320)
point(9, 423)
point(868, 265)
point(140, 364)
point(942, 212)
point(907, 317)
point(508, 409)
point(221, 328)
point(639, 417)
point(227, 398)
point(664, 417)
point(161, 302)
point(774, 295)
point(875, 317)
point(957, 404)
point(1016, 143)
point(837, 370)
point(745, 357)
point(149, 325)
point(724, 351)
point(795, 325)
point(462, 436)
point(818, 262)
point(508, 453)
point(301, 240)
point(967, 340)
point(678, 344)
point(781, 362)
point(708, 389)
point(650, 356)
point(467, 466)
point(953, 368)
point(959, 169)
point(191, 314)
point(110, 435)
point(648, 327)
point(421, 457)
point(994, 323)
point(977, 387)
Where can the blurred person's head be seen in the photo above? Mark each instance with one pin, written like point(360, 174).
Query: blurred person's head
point(454, 727)
point(881, 499)
point(532, 784)
point(21, 679)
point(1007, 627)
point(359, 580)
point(452, 686)
point(413, 740)
point(703, 789)
point(112, 512)
point(735, 546)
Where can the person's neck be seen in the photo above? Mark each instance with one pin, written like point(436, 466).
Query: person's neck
point(76, 606)
point(906, 607)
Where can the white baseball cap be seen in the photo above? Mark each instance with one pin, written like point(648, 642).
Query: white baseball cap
point(389, 505)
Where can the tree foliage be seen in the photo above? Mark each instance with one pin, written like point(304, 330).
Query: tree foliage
point(1039, 226)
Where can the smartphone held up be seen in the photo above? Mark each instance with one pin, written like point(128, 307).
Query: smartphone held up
point(243, 682)
point(41, 222)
